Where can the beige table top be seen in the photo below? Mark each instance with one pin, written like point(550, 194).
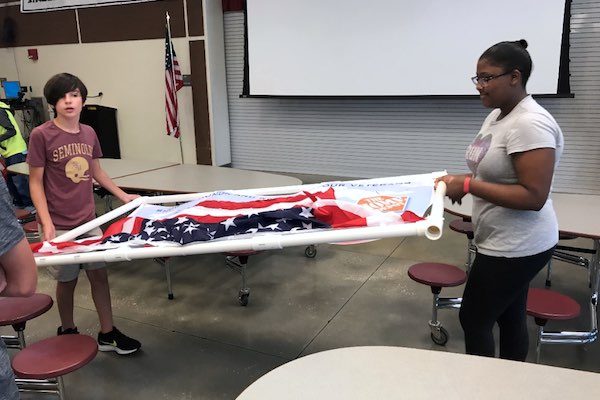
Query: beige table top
point(188, 178)
point(19, 168)
point(380, 372)
point(577, 214)
point(115, 168)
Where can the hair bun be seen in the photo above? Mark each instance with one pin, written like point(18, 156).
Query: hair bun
point(522, 43)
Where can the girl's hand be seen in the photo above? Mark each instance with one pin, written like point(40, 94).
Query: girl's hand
point(454, 186)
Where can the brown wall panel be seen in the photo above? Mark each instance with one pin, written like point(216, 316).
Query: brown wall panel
point(233, 5)
point(56, 27)
point(195, 18)
point(200, 99)
point(131, 21)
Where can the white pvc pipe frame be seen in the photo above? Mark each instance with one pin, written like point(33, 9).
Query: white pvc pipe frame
point(431, 228)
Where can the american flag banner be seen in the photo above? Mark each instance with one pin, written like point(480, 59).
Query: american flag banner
point(226, 215)
point(173, 82)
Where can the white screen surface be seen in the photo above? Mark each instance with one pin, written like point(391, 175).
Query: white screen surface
point(391, 47)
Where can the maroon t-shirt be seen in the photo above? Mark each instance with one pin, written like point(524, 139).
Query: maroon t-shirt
point(67, 162)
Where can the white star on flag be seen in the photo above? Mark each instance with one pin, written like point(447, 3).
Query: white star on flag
point(306, 212)
point(272, 227)
point(211, 233)
point(228, 223)
point(191, 228)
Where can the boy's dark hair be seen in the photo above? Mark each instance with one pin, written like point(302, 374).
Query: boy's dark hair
point(510, 56)
point(61, 84)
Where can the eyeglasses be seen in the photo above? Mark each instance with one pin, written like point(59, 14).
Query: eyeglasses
point(483, 80)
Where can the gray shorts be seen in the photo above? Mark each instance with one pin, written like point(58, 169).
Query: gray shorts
point(67, 273)
point(8, 386)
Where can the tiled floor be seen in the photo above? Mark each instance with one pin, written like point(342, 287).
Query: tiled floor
point(204, 345)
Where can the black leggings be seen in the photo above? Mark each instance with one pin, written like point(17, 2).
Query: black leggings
point(496, 291)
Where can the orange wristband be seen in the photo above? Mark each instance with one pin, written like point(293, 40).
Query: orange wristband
point(467, 185)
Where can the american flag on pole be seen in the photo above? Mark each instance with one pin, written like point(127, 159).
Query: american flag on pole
point(173, 82)
point(220, 215)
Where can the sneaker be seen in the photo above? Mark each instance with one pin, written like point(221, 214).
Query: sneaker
point(116, 341)
point(68, 331)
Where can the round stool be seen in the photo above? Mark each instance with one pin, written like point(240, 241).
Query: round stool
point(544, 305)
point(466, 228)
point(238, 261)
point(437, 276)
point(24, 215)
point(16, 311)
point(52, 358)
point(31, 230)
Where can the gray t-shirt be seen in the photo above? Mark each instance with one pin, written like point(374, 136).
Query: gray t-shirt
point(501, 231)
point(11, 232)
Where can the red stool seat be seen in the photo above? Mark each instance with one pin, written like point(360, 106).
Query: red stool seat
point(437, 274)
point(31, 231)
point(31, 227)
point(14, 310)
point(464, 227)
point(241, 253)
point(21, 213)
point(547, 304)
point(544, 305)
point(54, 357)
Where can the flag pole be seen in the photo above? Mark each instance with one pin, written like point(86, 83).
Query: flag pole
point(173, 77)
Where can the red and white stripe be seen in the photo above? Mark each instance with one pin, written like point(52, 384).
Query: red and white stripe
point(173, 82)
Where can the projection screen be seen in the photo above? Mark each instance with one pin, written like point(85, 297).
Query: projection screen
point(391, 47)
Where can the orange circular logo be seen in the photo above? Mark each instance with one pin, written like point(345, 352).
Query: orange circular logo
point(385, 203)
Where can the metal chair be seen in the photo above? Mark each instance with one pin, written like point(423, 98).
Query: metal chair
point(565, 253)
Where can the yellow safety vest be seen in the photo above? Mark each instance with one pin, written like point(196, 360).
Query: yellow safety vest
point(15, 144)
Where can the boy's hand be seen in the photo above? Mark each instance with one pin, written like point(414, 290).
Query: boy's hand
point(49, 231)
point(129, 197)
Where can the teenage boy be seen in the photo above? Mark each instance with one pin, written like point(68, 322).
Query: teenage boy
point(63, 159)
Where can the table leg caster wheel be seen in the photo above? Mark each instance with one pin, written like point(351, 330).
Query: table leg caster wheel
point(243, 298)
point(440, 336)
point(310, 251)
